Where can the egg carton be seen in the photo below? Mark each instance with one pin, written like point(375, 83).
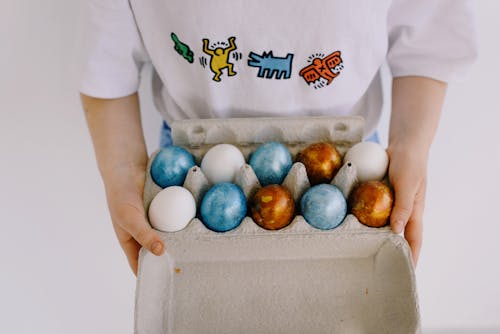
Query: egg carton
point(299, 279)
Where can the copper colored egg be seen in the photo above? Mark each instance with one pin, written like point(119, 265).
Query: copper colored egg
point(272, 207)
point(322, 161)
point(371, 203)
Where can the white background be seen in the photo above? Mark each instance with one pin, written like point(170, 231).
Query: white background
point(62, 270)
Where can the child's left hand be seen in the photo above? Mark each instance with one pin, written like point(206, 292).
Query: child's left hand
point(407, 174)
point(416, 106)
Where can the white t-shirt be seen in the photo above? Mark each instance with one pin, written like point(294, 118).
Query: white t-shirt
point(238, 58)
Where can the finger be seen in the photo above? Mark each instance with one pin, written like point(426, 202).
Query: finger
point(405, 191)
point(132, 220)
point(414, 229)
point(414, 234)
point(131, 249)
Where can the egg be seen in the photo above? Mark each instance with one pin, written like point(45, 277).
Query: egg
point(371, 203)
point(221, 163)
point(223, 207)
point(271, 163)
point(322, 161)
point(272, 207)
point(371, 161)
point(323, 206)
point(172, 209)
point(170, 166)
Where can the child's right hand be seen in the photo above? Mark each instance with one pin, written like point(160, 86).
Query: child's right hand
point(116, 131)
point(128, 214)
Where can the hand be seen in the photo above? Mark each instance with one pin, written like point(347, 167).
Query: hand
point(122, 163)
point(128, 214)
point(416, 106)
point(407, 175)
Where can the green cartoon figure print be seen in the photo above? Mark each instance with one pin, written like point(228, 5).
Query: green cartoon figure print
point(182, 48)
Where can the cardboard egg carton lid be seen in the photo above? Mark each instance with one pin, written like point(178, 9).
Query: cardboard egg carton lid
point(198, 135)
point(352, 279)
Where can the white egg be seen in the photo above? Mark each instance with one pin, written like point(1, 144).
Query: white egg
point(172, 209)
point(221, 163)
point(371, 161)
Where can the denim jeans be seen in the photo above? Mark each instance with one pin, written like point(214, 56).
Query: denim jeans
point(374, 138)
point(165, 135)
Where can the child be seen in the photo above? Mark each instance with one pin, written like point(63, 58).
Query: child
point(219, 58)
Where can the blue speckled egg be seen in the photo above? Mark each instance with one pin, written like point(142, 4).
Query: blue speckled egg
point(271, 163)
point(223, 207)
point(170, 166)
point(323, 206)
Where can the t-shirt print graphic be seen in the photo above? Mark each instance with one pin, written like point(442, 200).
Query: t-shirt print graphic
point(270, 66)
point(219, 57)
point(322, 69)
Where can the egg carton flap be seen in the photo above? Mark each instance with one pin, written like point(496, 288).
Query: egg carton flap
point(199, 135)
point(322, 284)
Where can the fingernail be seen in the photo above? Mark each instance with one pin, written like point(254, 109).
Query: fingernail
point(398, 226)
point(157, 248)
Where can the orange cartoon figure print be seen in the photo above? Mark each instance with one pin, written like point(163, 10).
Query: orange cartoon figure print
point(322, 69)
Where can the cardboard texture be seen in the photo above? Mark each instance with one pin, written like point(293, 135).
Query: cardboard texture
point(352, 279)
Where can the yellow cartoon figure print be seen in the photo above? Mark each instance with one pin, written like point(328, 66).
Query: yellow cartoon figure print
point(219, 57)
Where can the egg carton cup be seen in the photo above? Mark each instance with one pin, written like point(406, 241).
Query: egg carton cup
point(299, 279)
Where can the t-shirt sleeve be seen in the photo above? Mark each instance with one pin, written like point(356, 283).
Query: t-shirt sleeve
point(431, 38)
point(112, 53)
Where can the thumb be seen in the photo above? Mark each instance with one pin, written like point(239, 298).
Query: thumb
point(404, 193)
point(133, 220)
